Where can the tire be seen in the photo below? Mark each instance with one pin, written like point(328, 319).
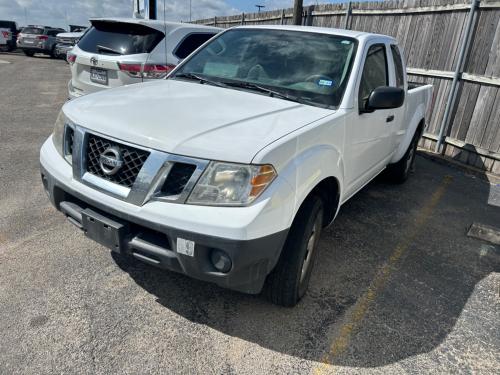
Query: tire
point(29, 53)
point(288, 282)
point(399, 172)
point(53, 53)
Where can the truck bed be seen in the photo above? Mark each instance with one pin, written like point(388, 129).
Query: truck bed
point(414, 85)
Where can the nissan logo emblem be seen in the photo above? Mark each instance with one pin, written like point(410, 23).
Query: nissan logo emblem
point(94, 61)
point(111, 161)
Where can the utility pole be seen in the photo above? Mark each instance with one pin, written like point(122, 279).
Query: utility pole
point(297, 12)
point(190, 10)
point(259, 7)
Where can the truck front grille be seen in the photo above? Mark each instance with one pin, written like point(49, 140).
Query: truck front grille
point(133, 160)
point(177, 179)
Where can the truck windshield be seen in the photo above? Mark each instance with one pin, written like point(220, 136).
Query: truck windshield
point(312, 68)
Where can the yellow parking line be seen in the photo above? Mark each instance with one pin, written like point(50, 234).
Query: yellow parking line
point(359, 310)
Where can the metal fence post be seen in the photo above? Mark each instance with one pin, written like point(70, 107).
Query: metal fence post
point(215, 21)
point(443, 128)
point(309, 16)
point(348, 13)
point(282, 16)
point(242, 18)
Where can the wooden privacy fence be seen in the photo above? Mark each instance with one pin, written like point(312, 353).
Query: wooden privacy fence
point(437, 48)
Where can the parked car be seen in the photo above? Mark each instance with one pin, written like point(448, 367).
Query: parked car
point(5, 36)
point(38, 39)
point(8, 37)
point(117, 52)
point(77, 28)
point(66, 42)
point(228, 170)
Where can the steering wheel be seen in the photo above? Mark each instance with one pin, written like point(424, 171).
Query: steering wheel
point(317, 77)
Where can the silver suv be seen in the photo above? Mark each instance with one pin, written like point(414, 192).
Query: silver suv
point(121, 51)
point(38, 39)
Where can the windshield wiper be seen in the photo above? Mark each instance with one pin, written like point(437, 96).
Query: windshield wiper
point(108, 49)
point(271, 93)
point(202, 80)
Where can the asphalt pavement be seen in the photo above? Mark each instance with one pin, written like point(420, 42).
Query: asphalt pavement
point(398, 286)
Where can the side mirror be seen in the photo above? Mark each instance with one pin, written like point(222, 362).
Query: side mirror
point(385, 97)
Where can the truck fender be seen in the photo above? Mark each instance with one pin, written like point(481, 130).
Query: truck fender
point(417, 118)
point(309, 168)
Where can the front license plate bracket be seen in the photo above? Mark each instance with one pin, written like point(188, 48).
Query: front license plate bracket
point(104, 230)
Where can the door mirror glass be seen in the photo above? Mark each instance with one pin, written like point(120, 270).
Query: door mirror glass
point(385, 97)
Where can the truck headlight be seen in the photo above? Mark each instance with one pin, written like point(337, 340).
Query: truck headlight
point(63, 137)
point(228, 184)
point(58, 134)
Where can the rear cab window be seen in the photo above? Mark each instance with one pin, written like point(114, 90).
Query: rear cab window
point(119, 38)
point(398, 66)
point(190, 43)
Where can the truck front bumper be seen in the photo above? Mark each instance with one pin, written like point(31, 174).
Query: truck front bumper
point(155, 243)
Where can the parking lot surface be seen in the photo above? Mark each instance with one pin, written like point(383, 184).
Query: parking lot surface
point(398, 286)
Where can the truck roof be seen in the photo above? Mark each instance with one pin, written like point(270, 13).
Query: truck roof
point(322, 30)
point(157, 24)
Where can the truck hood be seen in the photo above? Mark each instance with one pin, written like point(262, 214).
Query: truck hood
point(191, 119)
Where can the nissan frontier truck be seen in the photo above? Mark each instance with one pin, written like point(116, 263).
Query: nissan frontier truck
point(229, 169)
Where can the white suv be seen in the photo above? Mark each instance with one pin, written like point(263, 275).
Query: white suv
point(117, 52)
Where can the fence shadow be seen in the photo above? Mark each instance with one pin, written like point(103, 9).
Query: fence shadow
point(412, 314)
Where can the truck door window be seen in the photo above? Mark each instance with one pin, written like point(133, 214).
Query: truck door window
point(398, 66)
point(374, 73)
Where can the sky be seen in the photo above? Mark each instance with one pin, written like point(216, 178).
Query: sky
point(60, 13)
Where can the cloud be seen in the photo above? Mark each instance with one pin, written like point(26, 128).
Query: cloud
point(60, 13)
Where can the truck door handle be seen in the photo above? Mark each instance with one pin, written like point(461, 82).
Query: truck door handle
point(390, 118)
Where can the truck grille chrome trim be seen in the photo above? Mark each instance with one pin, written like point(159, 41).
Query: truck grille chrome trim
point(145, 174)
point(132, 160)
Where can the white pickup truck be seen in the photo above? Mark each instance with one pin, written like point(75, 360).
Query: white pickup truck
point(228, 170)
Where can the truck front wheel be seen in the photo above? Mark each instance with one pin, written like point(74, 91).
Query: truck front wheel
point(289, 280)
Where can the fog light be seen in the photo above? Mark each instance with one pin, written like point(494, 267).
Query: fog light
point(221, 261)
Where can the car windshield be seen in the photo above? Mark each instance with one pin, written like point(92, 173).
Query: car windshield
point(120, 38)
point(312, 68)
point(8, 25)
point(33, 30)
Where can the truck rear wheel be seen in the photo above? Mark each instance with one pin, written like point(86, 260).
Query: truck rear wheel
point(400, 171)
point(289, 280)
point(29, 53)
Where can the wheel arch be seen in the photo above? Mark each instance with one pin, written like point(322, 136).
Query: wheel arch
point(328, 190)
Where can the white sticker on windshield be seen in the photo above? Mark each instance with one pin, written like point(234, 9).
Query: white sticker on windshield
point(185, 247)
point(325, 82)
